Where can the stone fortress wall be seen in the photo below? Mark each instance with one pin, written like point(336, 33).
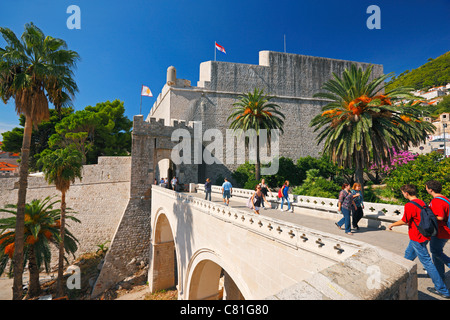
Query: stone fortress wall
point(291, 80)
point(99, 199)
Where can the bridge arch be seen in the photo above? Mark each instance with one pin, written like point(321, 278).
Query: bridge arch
point(164, 271)
point(203, 276)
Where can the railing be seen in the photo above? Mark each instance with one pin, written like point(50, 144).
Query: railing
point(298, 237)
point(379, 211)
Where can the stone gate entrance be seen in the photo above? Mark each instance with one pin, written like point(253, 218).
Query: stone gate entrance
point(151, 143)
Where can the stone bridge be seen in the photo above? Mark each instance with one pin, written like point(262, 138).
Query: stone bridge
point(212, 251)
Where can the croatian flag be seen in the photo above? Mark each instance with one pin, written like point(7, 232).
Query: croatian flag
point(220, 48)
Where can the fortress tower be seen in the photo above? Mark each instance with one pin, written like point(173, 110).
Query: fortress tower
point(291, 79)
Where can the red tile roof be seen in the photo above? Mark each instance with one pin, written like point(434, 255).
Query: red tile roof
point(4, 166)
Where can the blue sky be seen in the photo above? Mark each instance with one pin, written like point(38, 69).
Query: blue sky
point(124, 44)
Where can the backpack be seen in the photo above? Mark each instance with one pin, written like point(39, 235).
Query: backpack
point(280, 193)
point(448, 219)
point(428, 225)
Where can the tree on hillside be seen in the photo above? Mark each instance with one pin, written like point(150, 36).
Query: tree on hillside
point(28, 69)
point(435, 72)
point(61, 167)
point(361, 125)
point(254, 111)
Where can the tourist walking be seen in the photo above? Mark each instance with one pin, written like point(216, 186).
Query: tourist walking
point(345, 204)
point(174, 182)
point(257, 199)
point(417, 247)
point(357, 208)
point(265, 190)
point(284, 193)
point(227, 190)
point(208, 189)
point(440, 205)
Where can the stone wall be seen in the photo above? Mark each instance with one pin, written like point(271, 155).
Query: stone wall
point(99, 199)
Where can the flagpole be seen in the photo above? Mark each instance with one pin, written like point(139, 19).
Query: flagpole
point(140, 107)
point(215, 51)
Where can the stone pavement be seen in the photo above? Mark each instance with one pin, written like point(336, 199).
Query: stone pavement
point(393, 241)
point(5, 288)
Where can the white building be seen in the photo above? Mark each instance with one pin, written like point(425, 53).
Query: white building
point(436, 141)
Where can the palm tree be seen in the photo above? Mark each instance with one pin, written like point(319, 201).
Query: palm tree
point(61, 167)
point(362, 125)
point(30, 70)
point(254, 111)
point(41, 231)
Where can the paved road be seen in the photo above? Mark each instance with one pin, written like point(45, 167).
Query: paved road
point(390, 240)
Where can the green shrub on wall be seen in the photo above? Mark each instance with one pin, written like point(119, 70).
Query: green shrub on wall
point(317, 186)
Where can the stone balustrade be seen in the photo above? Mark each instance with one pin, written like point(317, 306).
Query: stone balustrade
point(298, 237)
point(310, 264)
point(375, 214)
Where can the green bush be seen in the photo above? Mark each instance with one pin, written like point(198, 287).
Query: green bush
point(317, 186)
point(287, 170)
point(326, 168)
point(380, 195)
point(244, 173)
point(296, 173)
point(426, 167)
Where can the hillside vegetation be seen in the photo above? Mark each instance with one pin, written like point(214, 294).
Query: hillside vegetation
point(435, 72)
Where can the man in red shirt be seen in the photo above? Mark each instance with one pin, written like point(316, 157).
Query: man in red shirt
point(417, 247)
point(440, 208)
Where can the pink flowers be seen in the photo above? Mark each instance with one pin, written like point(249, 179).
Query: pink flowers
point(398, 159)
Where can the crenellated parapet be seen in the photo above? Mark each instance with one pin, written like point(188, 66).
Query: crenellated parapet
point(159, 126)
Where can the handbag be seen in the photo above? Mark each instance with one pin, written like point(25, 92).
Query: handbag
point(249, 202)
